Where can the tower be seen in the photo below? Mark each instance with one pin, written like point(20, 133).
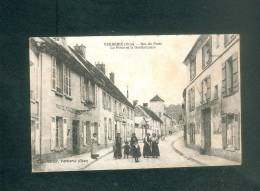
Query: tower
point(157, 105)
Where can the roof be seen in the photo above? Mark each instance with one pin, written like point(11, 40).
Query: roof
point(156, 98)
point(97, 76)
point(195, 47)
point(167, 115)
point(151, 114)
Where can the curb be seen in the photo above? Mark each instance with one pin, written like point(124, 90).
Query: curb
point(92, 162)
point(185, 156)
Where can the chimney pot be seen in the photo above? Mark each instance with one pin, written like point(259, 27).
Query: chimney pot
point(81, 50)
point(101, 67)
point(135, 102)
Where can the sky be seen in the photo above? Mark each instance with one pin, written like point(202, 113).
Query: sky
point(146, 69)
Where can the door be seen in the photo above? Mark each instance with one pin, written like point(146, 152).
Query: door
point(105, 131)
point(206, 114)
point(75, 136)
point(33, 133)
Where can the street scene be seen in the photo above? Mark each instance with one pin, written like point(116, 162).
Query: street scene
point(135, 102)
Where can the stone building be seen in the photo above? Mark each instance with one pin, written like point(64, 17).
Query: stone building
point(212, 104)
point(158, 107)
point(146, 121)
point(71, 99)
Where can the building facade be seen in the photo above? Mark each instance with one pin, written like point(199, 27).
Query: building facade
point(146, 121)
point(212, 109)
point(158, 107)
point(71, 99)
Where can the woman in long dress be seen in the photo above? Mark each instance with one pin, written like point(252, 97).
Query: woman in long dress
point(94, 147)
point(118, 147)
point(154, 146)
point(147, 146)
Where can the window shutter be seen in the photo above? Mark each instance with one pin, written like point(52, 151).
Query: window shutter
point(53, 77)
point(224, 91)
point(209, 88)
point(235, 72)
point(201, 92)
point(69, 81)
point(224, 131)
point(84, 132)
point(237, 132)
point(53, 133)
point(65, 130)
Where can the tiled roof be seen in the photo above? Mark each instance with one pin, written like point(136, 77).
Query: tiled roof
point(151, 114)
point(97, 76)
point(156, 98)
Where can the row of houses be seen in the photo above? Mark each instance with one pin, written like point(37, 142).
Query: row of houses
point(212, 104)
point(71, 99)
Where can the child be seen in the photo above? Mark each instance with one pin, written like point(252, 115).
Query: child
point(136, 152)
point(126, 149)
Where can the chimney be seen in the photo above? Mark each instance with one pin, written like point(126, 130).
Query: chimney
point(81, 50)
point(135, 102)
point(101, 67)
point(145, 105)
point(112, 77)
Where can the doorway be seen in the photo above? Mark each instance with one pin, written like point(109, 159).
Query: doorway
point(206, 126)
point(75, 136)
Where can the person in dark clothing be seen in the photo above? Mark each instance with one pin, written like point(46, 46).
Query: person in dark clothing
point(118, 147)
point(147, 146)
point(154, 145)
point(126, 149)
point(135, 148)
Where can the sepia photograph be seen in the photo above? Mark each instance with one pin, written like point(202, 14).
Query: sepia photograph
point(134, 102)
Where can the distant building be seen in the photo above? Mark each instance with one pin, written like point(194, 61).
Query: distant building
point(71, 99)
point(212, 105)
point(158, 107)
point(146, 121)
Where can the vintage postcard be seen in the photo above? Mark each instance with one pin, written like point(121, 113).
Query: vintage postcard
point(135, 102)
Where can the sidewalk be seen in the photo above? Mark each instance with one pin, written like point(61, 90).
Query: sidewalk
point(203, 160)
point(74, 163)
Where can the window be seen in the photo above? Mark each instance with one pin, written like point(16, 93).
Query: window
point(191, 99)
point(115, 106)
point(127, 113)
point(228, 39)
point(67, 81)
point(230, 83)
point(33, 81)
point(104, 100)
point(216, 92)
point(82, 88)
point(192, 133)
point(231, 131)
point(59, 85)
point(120, 108)
point(109, 103)
point(206, 89)
point(206, 54)
point(58, 133)
point(53, 74)
point(192, 68)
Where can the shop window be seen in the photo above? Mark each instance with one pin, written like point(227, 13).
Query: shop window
point(231, 131)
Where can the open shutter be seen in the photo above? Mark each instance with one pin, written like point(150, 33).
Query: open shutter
point(224, 89)
point(224, 131)
point(53, 133)
point(84, 133)
point(201, 92)
point(237, 131)
point(208, 88)
point(235, 72)
point(65, 130)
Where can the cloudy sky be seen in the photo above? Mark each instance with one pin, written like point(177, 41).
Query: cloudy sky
point(146, 71)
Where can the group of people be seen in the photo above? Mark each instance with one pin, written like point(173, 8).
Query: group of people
point(150, 148)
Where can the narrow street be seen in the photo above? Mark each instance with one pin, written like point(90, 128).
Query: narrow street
point(169, 158)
